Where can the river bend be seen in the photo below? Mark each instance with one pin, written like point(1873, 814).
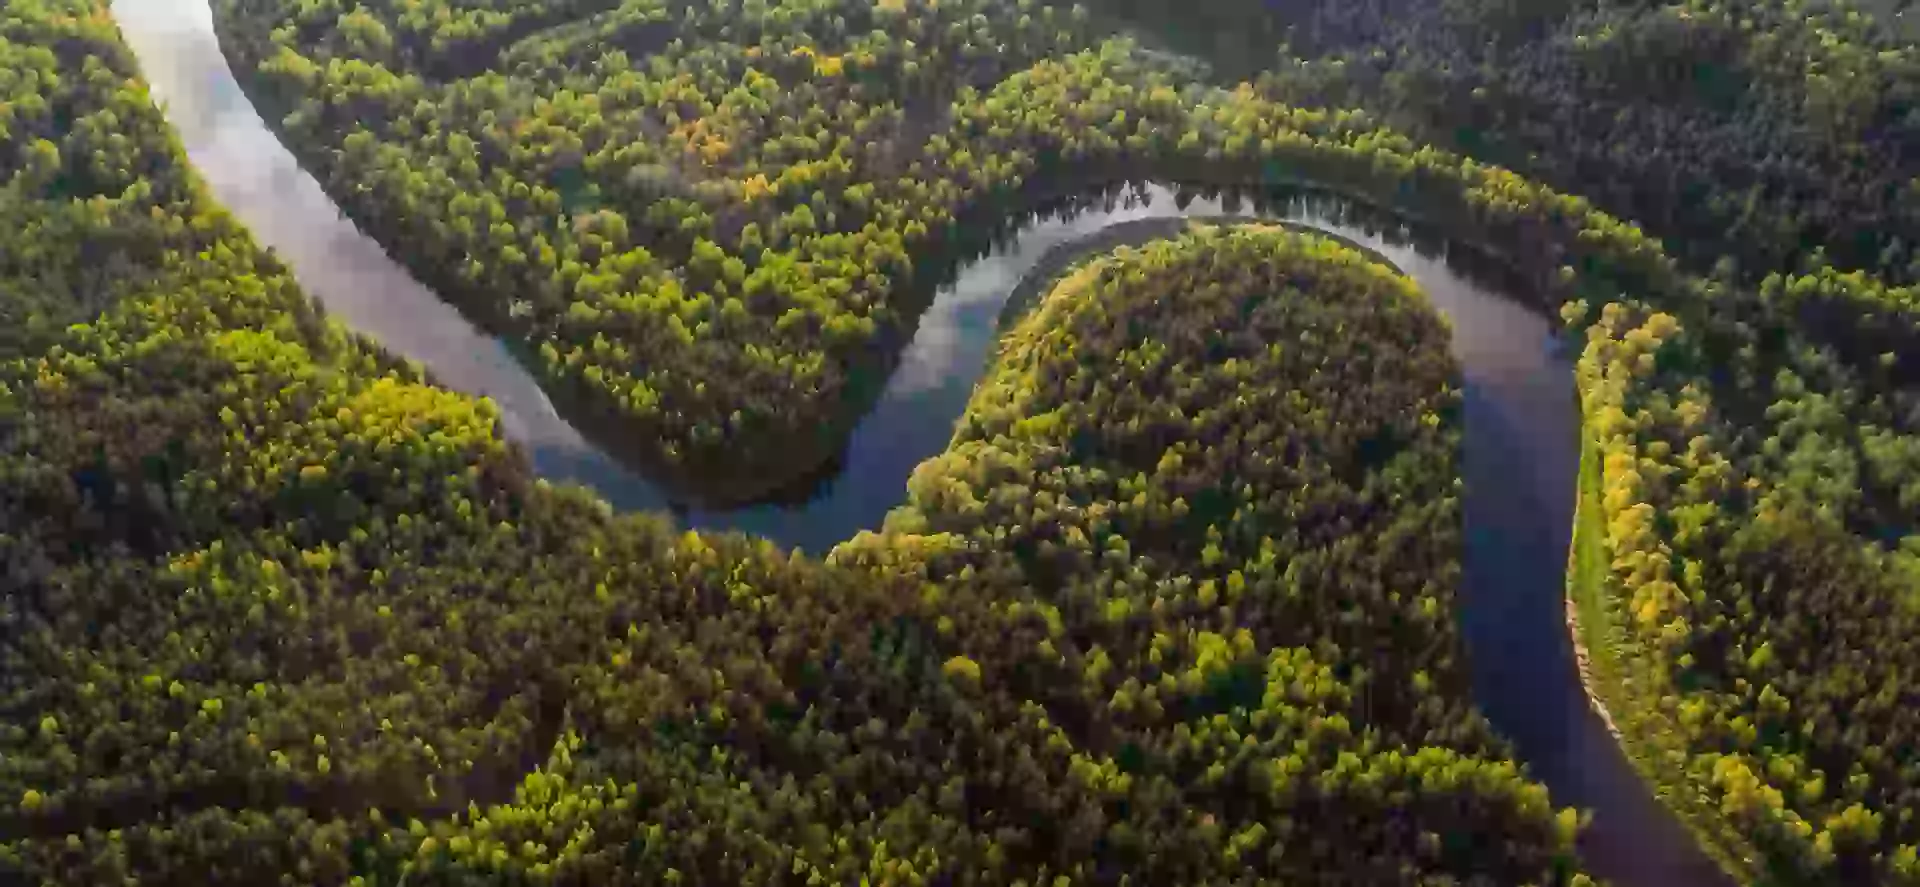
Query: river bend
point(1521, 417)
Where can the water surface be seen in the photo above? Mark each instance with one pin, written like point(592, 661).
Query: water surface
point(262, 183)
point(1520, 413)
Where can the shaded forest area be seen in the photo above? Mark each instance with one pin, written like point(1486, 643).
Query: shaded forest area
point(325, 637)
point(1766, 135)
point(276, 610)
point(1760, 346)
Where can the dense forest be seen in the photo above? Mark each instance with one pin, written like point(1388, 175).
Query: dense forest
point(1745, 132)
point(1750, 352)
point(755, 197)
point(1175, 607)
point(744, 196)
point(278, 610)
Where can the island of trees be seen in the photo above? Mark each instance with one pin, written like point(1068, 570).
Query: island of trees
point(1175, 605)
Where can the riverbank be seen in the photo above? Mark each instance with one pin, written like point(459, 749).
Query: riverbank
point(1520, 450)
point(1607, 659)
point(1060, 260)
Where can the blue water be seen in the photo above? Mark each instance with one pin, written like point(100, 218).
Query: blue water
point(1520, 416)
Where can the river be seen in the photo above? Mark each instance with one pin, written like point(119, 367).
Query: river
point(1520, 413)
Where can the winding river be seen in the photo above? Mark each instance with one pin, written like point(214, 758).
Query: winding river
point(1520, 444)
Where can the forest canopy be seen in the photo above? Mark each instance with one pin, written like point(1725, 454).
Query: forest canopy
point(277, 610)
point(1749, 353)
point(712, 226)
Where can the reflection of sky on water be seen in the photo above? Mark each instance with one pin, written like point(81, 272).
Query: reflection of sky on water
point(261, 182)
point(1519, 461)
point(944, 345)
point(1500, 342)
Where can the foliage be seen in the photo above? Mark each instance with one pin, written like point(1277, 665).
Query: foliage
point(744, 197)
point(1197, 517)
point(1745, 132)
point(713, 225)
point(1292, 479)
point(706, 221)
point(275, 610)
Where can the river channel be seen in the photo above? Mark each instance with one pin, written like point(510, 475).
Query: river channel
point(1520, 416)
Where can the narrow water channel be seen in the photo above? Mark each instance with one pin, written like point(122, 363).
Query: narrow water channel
point(1520, 417)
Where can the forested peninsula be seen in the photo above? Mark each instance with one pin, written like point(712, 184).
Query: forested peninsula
point(1177, 604)
point(339, 635)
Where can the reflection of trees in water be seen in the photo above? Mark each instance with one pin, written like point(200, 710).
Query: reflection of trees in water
point(221, 120)
point(807, 488)
point(995, 239)
point(817, 489)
